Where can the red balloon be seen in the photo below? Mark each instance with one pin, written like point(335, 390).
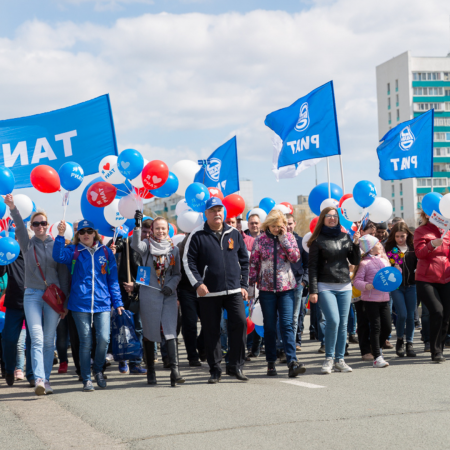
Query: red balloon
point(288, 205)
point(250, 325)
point(143, 193)
point(2, 301)
point(234, 205)
point(215, 192)
point(155, 174)
point(313, 224)
point(45, 179)
point(343, 198)
point(175, 229)
point(101, 194)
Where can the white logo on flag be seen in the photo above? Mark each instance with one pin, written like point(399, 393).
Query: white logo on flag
point(303, 119)
point(406, 139)
point(213, 169)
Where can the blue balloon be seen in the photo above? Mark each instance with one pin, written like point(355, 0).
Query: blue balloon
point(387, 279)
point(196, 196)
point(11, 234)
point(364, 193)
point(260, 330)
point(168, 188)
point(9, 250)
point(123, 189)
point(248, 213)
point(266, 204)
point(130, 163)
point(320, 193)
point(171, 230)
point(2, 320)
point(71, 175)
point(7, 181)
point(343, 221)
point(430, 203)
point(2, 207)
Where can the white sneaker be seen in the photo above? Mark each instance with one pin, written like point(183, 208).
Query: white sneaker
point(327, 366)
point(39, 388)
point(341, 366)
point(48, 388)
point(109, 357)
point(380, 363)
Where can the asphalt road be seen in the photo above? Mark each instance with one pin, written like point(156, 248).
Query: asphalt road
point(404, 406)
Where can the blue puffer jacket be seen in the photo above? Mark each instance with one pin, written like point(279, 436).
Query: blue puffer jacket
point(93, 289)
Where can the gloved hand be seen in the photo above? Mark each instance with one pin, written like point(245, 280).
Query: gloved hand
point(138, 219)
point(166, 291)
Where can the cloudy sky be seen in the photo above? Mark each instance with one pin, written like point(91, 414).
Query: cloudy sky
point(186, 75)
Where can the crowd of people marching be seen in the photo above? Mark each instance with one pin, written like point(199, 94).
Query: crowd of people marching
point(213, 275)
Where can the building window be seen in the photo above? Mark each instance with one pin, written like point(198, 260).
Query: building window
point(398, 115)
point(442, 122)
point(396, 100)
point(389, 118)
point(401, 188)
point(441, 151)
point(401, 203)
point(389, 88)
point(439, 136)
point(423, 91)
point(403, 216)
point(446, 76)
point(428, 106)
point(389, 102)
point(396, 85)
point(427, 76)
point(393, 189)
point(447, 92)
point(393, 204)
point(437, 182)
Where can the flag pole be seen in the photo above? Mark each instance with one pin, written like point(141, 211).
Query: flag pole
point(342, 174)
point(328, 173)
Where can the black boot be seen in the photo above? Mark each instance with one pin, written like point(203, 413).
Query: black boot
point(410, 350)
point(172, 350)
point(149, 349)
point(271, 370)
point(400, 348)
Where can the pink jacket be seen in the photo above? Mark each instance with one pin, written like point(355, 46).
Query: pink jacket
point(248, 241)
point(368, 268)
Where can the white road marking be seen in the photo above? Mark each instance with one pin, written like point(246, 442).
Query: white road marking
point(303, 384)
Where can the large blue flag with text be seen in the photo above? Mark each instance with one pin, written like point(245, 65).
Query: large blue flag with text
point(82, 133)
point(308, 128)
point(221, 169)
point(407, 150)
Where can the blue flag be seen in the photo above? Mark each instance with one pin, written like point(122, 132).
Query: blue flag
point(407, 150)
point(308, 128)
point(82, 133)
point(221, 169)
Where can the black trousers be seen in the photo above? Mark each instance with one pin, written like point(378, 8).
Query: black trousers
point(211, 311)
point(379, 315)
point(190, 312)
point(363, 325)
point(74, 342)
point(436, 297)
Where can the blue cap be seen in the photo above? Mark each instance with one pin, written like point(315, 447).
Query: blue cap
point(213, 201)
point(85, 224)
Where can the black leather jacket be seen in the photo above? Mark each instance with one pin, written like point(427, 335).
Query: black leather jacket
point(329, 258)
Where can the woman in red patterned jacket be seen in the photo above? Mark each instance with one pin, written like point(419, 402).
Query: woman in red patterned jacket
point(270, 268)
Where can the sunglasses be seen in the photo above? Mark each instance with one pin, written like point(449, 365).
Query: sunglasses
point(36, 224)
point(84, 231)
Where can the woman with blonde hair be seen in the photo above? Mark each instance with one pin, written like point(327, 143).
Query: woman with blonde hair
point(330, 252)
point(270, 268)
point(95, 287)
point(37, 255)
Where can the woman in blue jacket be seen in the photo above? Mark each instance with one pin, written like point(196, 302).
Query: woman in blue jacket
point(95, 287)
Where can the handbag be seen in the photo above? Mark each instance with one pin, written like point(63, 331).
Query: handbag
point(53, 295)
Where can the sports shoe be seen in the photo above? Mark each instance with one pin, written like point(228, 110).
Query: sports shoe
point(63, 367)
point(18, 375)
point(321, 349)
point(39, 387)
point(352, 339)
point(123, 367)
point(48, 388)
point(327, 366)
point(379, 363)
point(101, 382)
point(109, 357)
point(137, 370)
point(88, 386)
point(410, 350)
point(296, 368)
point(341, 366)
point(298, 348)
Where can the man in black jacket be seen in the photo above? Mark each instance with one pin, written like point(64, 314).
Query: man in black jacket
point(216, 264)
point(14, 317)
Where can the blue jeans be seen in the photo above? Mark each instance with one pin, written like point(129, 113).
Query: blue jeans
point(283, 303)
point(10, 337)
point(42, 321)
point(351, 326)
point(335, 306)
point(405, 301)
point(318, 322)
point(20, 358)
point(298, 306)
point(102, 324)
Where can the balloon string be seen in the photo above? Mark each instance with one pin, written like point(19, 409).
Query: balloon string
point(120, 190)
point(361, 220)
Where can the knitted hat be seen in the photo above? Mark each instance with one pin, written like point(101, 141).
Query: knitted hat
point(367, 243)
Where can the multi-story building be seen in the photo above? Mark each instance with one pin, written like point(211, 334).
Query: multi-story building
point(408, 86)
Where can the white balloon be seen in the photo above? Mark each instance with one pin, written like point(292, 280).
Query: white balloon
point(129, 204)
point(305, 240)
point(444, 206)
point(182, 206)
point(68, 235)
point(137, 182)
point(283, 208)
point(178, 238)
point(257, 315)
point(380, 210)
point(188, 221)
point(351, 210)
point(24, 205)
point(109, 171)
point(185, 170)
point(244, 225)
point(260, 212)
point(329, 202)
point(112, 214)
